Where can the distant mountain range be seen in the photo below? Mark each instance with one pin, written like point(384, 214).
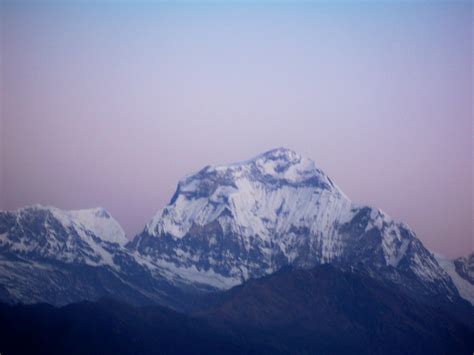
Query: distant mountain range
point(224, 225)
point(241, 227)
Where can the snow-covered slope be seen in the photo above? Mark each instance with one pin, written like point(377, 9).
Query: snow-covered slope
point(55, 256)
point(86, 236)
point(456, 270)
point(98, 221)
point(226, 224)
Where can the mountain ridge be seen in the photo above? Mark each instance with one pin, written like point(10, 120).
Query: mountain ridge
point(225, 225)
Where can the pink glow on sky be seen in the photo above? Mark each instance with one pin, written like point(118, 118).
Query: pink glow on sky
point(110, 105)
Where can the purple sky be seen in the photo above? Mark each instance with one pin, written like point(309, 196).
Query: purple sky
point(110, 105)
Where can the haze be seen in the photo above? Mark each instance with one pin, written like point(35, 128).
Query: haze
point(110, 104)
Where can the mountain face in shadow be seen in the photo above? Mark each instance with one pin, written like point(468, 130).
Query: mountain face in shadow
point(329, 310)
point(322, 310)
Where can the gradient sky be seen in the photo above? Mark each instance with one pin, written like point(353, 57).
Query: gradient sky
point(110, 104)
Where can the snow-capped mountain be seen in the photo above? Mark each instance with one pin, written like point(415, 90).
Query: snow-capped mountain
point(85, 236)
point(226, 224)
point(59, 257)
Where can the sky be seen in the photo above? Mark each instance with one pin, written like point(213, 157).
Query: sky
point(111, 103)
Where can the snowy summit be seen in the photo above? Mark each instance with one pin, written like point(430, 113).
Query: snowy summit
point(228, 223)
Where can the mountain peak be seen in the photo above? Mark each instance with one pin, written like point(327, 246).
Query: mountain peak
point(270, 170)
point(285, 164)
point(229, 223)
point(263, 196)
point(276, 166)
point(96, 220)
point(281, 153)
